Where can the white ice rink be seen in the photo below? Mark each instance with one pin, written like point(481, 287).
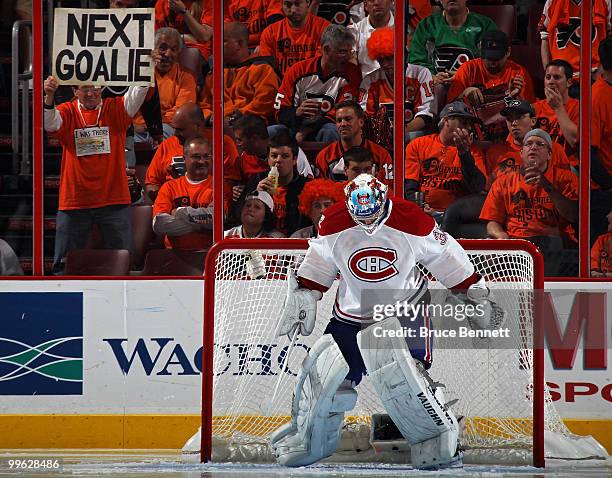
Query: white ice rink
point(158, 464)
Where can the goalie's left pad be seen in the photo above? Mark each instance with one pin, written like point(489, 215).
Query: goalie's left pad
point(320, 399)
point(490, 315)
point(413, 401)
point(299, 310)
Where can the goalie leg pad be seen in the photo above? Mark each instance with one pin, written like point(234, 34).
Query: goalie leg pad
point(320, 399)
point(413, 401)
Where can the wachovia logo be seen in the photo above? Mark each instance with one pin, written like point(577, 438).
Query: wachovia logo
point(41, 343)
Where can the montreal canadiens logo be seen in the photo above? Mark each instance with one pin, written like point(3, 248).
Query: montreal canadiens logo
point(373, 264)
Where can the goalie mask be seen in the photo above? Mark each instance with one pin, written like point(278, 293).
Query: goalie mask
point(366, 201)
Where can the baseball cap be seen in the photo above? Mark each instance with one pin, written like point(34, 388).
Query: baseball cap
point(540, 133)
point(517, 106)
point(493, 45)
point(458, 109)
point(264, 197)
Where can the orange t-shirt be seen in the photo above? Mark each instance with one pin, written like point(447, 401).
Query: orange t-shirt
point(474, 73)
point(164, 17)
point(526, 210)
point(601, 253)
point(437, 168)
point(244, 166)
point(289, 45)
point(254, 14)
point(502, 158)
point(175, 88)
point(330, 162)
point(547, 120)
point(181, 193)
point(601, 121)
point(96, 180)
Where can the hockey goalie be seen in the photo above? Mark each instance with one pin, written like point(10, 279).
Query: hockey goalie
point(374, 243)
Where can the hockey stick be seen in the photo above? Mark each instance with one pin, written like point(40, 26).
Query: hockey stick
point(267, 408)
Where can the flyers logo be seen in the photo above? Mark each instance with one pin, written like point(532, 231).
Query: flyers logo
point(451, 57)
point(182, 201)
point(519, 196)
point(284, 44)
point(327, 102)
point(242, 15)
point(507, 164)
point(373, 264)
point(570, 33)
point(430, 165)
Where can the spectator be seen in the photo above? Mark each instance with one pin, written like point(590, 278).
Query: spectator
point(379, 16)
point(485, 82)
point(250, 82)
point(311, 88)
point(315, 198)
point(377, 88)
point(506, 157)
point(295, 38)
point(183, 208)
point(417, 11)
point(175, 85)
point(193, 20)
point(558, 114)
point(601, 142)
point(560, 32)
point(255, 15)
point(357, 160)
point(601, 253)
point(9, 262)
point(453, 35)
point(349, 122)
point(168, 162)
point(93, 182)
point(445, 166)
point(256, 218)
point(534, 202)
point(283, 154)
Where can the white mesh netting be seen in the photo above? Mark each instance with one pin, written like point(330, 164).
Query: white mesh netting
point(493, 387)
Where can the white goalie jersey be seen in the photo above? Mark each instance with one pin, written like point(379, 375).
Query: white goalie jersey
point(381, 268)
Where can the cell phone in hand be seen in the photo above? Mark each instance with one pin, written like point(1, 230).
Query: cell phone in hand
point(178, 165)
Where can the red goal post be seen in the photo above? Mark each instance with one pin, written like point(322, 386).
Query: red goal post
point(476, 248)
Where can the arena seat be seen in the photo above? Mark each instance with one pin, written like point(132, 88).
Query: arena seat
point(504, 16)
point(171, 262)
point(97, 262)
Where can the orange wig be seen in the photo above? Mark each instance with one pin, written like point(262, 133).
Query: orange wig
point(380, 44)
point(316, 189)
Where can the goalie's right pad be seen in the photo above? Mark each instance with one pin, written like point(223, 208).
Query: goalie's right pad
point(413, 401)
point(320, 399)
point(299, 309)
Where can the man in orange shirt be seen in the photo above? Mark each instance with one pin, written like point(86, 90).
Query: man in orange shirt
point(168, 162)
point(558, 114)
point(295, 38)
point(535, 202)
point(250, 82)
point(601, 253)
point(445, 166)
point(486, 82)
point(349, 122)
point(601, 142)
point(93, 181)
point(256, 15)
point(506, 157)
point(183, 209)
point(175, 85)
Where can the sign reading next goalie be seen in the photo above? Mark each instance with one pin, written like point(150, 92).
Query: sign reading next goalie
point(103, 47)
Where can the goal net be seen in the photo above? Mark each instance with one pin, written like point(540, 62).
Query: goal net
point(249, 377)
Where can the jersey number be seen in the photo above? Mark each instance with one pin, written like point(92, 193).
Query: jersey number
point(278, 100)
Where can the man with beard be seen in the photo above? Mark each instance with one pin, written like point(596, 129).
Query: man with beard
point(168, 162)
point(295, 38)
point(535, 202)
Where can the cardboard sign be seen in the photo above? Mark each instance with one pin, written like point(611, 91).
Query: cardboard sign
point(103, 47)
